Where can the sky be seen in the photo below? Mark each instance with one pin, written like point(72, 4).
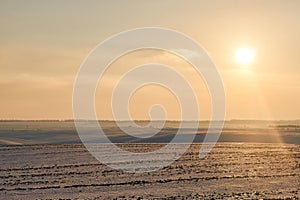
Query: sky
point(43, 44)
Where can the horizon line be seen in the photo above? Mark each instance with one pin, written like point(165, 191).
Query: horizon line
point(139, 120)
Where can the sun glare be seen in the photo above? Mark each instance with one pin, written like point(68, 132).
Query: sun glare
point(244, 56)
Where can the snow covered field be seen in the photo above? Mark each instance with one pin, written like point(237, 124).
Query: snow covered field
point(232, 170)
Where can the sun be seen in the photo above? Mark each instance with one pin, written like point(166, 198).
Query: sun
point(244, 56)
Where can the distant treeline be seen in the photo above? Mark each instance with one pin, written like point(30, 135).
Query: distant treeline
point(109, 120)
point(288, 123)
point(43, 120)
point(288, 126)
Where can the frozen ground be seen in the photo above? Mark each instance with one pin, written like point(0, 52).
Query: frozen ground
point(56, 132)
point(231, 171)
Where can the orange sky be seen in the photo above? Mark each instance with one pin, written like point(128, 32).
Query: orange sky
point(42, 46)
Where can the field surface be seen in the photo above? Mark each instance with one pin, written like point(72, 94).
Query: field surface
point(231, 171)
